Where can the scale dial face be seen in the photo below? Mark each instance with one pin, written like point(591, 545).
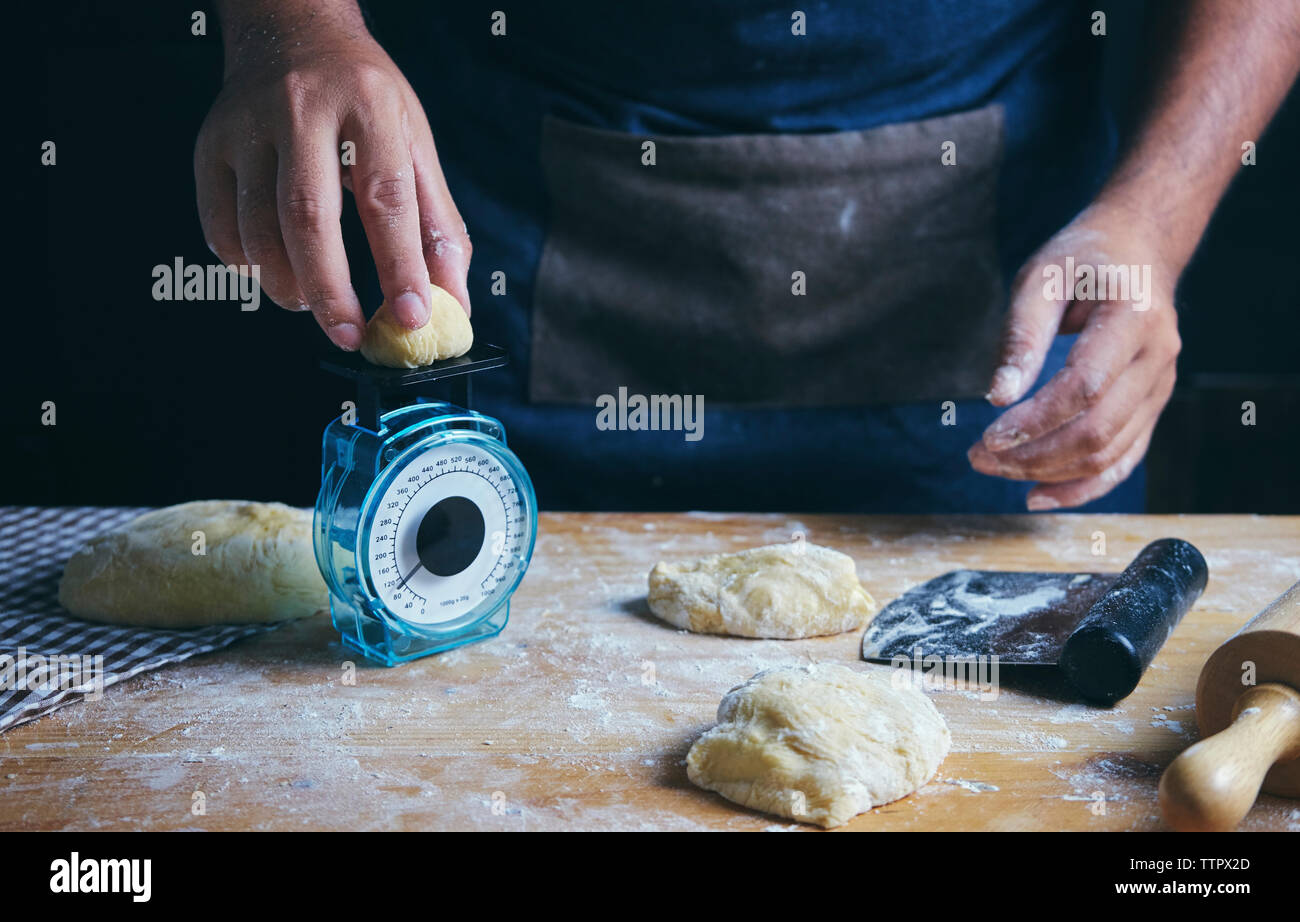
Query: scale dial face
point(448, 535)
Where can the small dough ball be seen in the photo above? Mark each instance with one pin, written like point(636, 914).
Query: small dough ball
point(785, 591)
point(259, 566)
point(446, 335)
point(820, 744)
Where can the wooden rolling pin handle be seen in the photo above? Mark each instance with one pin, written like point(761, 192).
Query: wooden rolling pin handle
point(1211, 786)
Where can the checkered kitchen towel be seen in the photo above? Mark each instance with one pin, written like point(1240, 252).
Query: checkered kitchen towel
point(48, 657)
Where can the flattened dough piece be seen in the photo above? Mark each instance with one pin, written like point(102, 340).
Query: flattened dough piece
point(784, 591)
point(446, 335)
point(259, 566)
point(820, 744)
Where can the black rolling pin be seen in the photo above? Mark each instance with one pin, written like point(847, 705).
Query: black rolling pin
point(1110, 649)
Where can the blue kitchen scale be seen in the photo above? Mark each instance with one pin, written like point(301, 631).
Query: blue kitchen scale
point(425, 521)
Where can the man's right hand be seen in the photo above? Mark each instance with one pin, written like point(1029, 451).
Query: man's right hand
point(299, 84)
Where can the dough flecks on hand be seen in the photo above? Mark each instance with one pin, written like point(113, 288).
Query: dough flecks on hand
point(447, 335)
point(822, 743)
point(259, 566)
point(785, 591)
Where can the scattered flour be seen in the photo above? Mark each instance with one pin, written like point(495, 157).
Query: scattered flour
point(582, 706)
point(975, 787)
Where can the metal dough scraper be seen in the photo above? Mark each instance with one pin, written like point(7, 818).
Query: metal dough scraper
point(1100, 629)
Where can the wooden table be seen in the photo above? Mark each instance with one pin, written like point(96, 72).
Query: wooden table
point(580, 714)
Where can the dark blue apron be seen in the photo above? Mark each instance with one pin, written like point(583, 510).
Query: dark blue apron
point(775, 153)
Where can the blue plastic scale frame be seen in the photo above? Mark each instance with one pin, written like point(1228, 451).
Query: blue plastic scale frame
point(356, 466)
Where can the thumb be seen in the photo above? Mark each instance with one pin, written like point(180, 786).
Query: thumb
point(1038, 301)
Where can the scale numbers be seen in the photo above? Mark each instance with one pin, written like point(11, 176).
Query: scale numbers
point(448, 535)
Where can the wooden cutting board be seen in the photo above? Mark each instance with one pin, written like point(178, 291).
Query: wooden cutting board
point(579, 715)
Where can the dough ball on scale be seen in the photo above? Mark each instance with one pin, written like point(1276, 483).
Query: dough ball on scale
point(448, 334)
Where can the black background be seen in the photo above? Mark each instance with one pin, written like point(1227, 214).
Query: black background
point(1033, 873)
point(161, 402)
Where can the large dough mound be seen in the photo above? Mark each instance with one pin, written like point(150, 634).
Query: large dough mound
point(259, 566)
point(446, 335)
point(782, 590)
point(820, 744)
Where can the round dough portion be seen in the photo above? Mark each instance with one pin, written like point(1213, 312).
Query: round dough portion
point(446, 335)
point(820, 744)
point(784, 591)
point(259, 566)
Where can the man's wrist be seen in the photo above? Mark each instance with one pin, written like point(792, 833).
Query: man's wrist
point(1171, 221)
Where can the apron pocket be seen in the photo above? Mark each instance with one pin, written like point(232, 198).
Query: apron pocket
point(678, 278)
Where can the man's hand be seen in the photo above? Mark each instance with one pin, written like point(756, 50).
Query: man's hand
point(1088, 427)
point(300, 82)
point(1224, 71)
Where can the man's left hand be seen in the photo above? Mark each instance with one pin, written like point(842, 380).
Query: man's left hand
point(1088, 427)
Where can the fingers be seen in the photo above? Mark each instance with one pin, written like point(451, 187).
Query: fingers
point(275, 202)
point(214, 183)
point(1032, 321)
point(443, 239)
point(383, 182)
point(1092, 441)
point(1104, 349)
point(310, 201)
point(1086, 489)
point(259, 227)
point(1139, 419)
point(1096, 451)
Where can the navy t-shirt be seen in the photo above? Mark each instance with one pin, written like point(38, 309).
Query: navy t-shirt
point(730, 67)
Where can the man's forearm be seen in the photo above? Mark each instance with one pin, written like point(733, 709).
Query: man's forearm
point(1228, 68)
point(254, 30)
